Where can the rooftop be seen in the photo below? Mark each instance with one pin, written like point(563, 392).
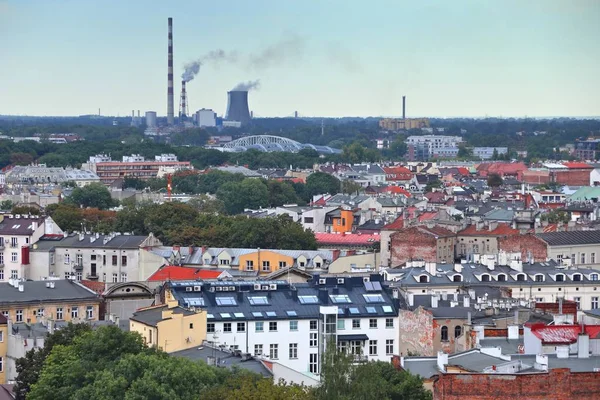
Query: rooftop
point(570, 238)
point(223, 358)
point(151, 316)
point(37, 291)
point(177, 273)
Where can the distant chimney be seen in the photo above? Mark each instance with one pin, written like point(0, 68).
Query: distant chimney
point(403, 107)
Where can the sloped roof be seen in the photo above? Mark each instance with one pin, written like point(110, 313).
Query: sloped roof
point(97, 287)
point(397, 224)
point(562, 334)
point(570, 238)
point(500, 230)
point(397, 190)
point(176, 273)
point(577, 165)
point(348, 239)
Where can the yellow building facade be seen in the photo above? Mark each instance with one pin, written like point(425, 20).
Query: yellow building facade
point(3, 348)
point(265, 261)
point(398, 124)
point(170, 327)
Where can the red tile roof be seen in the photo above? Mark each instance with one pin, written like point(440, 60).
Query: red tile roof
point(347, 239)
point(436, 231)
point(427, 215)
point(577, 165)
point(397, 224)
point(464, 171)
point(562, 334)
point(397, 173)
point(397, 190)
point(436, 197)
point(500, 230)
point(176, 273)
point(97, 287)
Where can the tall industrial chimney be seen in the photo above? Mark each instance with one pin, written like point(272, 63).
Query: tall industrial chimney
point(237, 106)
point(183, 109)
point(170, 109)
point(403, 107)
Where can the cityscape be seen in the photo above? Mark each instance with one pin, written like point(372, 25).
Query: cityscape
point(300, 201)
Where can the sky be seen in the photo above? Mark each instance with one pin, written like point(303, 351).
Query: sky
point(503, 58)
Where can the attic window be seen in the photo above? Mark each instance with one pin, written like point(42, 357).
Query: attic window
point(457, 278)
point(339, 298)
point(539, 278)
point(501, 278)
point(577, 277)
point(423, 279)
point(521, 277)
point(559, 278)
point(485, 278)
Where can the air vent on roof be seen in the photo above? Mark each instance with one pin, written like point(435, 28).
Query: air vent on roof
point(366, 279)
point(273, 286)
point(257, 286)
point(265, 287)
point(231, 288)
point(340, 281)
point(197, 288)
point(211, 289)
point(219, 288)
point(322, 281)
point(188, 289)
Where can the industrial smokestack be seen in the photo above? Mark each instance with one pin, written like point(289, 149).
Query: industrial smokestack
point(237, 106)
point(183, 109)
point(170, 106)
point(403, 107)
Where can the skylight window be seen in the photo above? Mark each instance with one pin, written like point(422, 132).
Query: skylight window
point(308, 299)
point(225, 315)
point(353, 310)
point(271, 314)
point(210, 316)
point(196, 302)
point(371, 310)
point(387, 309)
point(226, 301)
point(339, 298)
point(258, 300)
point(257, 314)
point(238, 315)
point(373, 298)
point(292, 313)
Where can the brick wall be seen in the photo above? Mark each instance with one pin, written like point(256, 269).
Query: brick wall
point(410, 244)
point(573, 177)
point(523, 244)
point(558, 384)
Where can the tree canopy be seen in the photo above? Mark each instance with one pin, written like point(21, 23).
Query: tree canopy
point(94, 195)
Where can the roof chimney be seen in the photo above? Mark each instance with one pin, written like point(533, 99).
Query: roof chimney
point(21, 288)
point(583, 346)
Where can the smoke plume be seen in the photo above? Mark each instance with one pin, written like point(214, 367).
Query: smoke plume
point(247, 86)
point(191, 69)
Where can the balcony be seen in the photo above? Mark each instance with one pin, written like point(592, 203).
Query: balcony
point(78, 267)
point(92, 277)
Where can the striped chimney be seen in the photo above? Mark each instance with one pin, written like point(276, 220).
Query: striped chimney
point(170, 106)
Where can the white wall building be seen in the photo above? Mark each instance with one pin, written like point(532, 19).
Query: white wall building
point(206, 117)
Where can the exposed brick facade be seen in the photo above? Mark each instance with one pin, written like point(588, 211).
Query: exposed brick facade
point(574, 177)
point(558, 384)
point(524, 244)
point(422, 243)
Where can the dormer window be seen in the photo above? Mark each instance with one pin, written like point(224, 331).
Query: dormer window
point(576, 278)
point(423, 279)
point(539, 278)
point(501, 278)
point(593, 277)
point(457, 278)
point(485, 278)
point(520, 277)
point(559, 278)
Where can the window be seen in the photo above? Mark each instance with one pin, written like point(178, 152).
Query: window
point(123, 276)
point(373, 298)
point(389, 322)
point(313, 363)
point(593, 258)
point(577, 277)
point(39, 312)
point(293, 351)
point(124, 261)
point(308, 299)
point(578, 301)
point(282, 264)
point(444, 336)
point(67, 259)
point(258, 300)
point(1, 274)
point(115, 259)
point(339, 298)
point(210, 327)
point(423, 279)
point(79, 259)
point(501, 278)
point(79, 276)
point(115, 278)
point(224, 261)
point(485, 278)
point(356, 324)
point(14, 242)
point(274, 351)
point(249, 265)
point(93, 257)
point(75, 312)
point(457, 331)
point(241, 327)
point(89, 312)
point(372, 323)
point(594, 303)
point(14, 274)
point(227, 327)
point(1, 256)
point(583, 258)
point(259, 326)
point(13, 257)
point(266, 266)
point(1, 365)
point(573, 259)
point(312, 341)
point(308, 220)
point(457, 278)
point(293, 325)
point(225, 301)
point(593, 277)
point(389, 347)
point(539, 299)
point(313, 325)
point(273, 326)
point(539, 278)
point(1, 336)
point(372, 347)
point(520, 277)
point(258, 349)
point(19, 316)
point(560, 278)
point(59, 313)
point(341, 324)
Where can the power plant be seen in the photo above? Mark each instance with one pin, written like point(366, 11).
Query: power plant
point(183, 108)
point(170, 104)
point(237, 106)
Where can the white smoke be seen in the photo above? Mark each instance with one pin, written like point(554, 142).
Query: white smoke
point(247, 86)
point(192, 68)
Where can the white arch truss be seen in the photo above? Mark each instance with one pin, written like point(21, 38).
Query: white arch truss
point(262, 140)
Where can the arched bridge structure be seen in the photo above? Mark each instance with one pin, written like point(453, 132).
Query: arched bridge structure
point(269, 143)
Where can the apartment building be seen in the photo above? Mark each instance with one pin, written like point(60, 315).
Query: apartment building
point(106, 258)
point(134, 166)
point(17, 234)
point(293, 324)
point(424, 147)
point(574, 247)
point(3, 348)
point(38, 301)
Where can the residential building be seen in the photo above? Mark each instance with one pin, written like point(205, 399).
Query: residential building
point(3, 348)
point(424, 147)
point(587, 149)
point(293, 324)
point(481, 239)
point(40, 174)
point(487, 153)
point(122, 300)
point(170, 327)
point(59, 300)
point(398, 175)
point(134, 166)
point(573, 247)
point(431, 244)
point(106, 258)
point(347, 241)
point(17, 234)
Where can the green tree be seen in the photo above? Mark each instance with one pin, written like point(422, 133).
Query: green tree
point(134, 183)
point(29, 367)
point(350, 187)
point(494, 180)
point(206, 204)
point(556, 216)
point(250, 193)
point(433, 185)
point(320, 183)
point(254, 387)
point(67, 216)
point(164, 218)
point(92, 195)
point(281, 193)
point(464, 152)
point(6, 205)
point(25, 210)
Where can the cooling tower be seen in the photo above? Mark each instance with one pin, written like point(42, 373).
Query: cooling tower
point(237, 106)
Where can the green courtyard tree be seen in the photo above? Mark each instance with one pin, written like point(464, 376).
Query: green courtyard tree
point(92, 195)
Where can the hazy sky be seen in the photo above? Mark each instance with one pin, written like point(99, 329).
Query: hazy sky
point(321, 57)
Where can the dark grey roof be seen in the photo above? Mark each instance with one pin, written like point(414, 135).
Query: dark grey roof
point(284, 300)
point(36, 291)
point(508, 346)
point(153, 315)
point(72, 241)
point(20, 226)
point(224, 359)
point(570, 238)
point(6, 392)
point(472, 360)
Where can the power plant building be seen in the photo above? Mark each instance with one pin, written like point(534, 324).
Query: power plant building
point(151, 119)
point(237, 107)
point(206, 118)
point(399, 124)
